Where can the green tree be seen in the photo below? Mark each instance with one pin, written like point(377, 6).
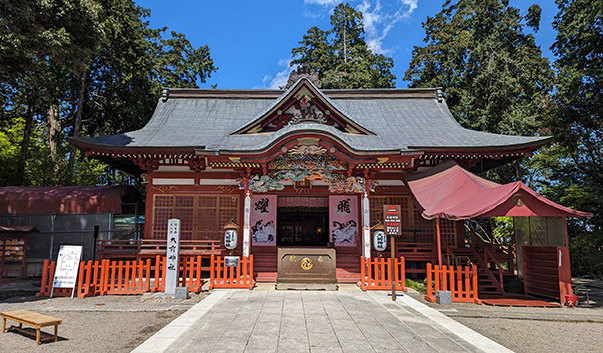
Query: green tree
point(340, 56)
point(493, 75)
point(83, 67)
point(577, 125)
point(41, 44)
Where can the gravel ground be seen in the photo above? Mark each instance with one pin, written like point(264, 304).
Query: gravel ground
point(94, 332)
point(532, 336)
point(535, 330)
point(97, 324)
point(121, 323)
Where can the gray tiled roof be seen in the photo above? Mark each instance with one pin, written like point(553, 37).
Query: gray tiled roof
point(401, 122)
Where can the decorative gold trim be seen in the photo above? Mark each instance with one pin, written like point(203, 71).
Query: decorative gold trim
point(164, 188)
point(235, 159)
point(381, 165)
point(306, 264)
point(234, 165)
point(351, 130)
point(380, 189)
point(227, 188)
point(382, 160)
point(255, 129)
point(308, 141)
point(303, 92)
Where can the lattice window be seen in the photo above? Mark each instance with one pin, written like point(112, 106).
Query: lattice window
point(376, 209)
point(207, 213)
point(163, 210)
point(427, 227)
point(184, 210)
point(448, 232)
point(201, 216)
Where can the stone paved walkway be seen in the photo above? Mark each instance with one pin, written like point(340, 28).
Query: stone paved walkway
point(347, 320)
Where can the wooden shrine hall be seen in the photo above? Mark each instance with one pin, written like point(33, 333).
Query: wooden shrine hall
point(307, 168)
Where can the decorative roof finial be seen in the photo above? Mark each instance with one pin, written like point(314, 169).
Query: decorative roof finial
point(302, 71)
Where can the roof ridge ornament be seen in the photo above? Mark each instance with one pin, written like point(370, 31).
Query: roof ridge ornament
point(302, 71)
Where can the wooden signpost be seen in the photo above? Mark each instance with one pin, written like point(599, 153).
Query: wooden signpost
point(393, 227)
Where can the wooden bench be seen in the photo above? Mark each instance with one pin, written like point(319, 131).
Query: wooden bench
point(32, 319)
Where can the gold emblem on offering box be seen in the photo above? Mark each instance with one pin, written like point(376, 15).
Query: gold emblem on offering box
point(292, 258)
point(320, 259)
point(306, 264)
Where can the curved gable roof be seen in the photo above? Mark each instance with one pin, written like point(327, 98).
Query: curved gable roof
point(402, 120)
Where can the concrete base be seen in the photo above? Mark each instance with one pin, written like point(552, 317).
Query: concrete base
point(306, 286)
point(181, 293)
point(443, 297)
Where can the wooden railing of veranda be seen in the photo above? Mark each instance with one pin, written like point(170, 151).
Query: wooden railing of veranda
point(376, 273)
point(125, 277)
point(461, 281)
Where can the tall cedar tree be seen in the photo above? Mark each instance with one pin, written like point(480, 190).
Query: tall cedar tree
point(89, 66)
point(493, 75)
point(340, 56)
point(577, 124)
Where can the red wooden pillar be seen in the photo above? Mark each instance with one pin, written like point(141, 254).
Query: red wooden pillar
point(439, 240)
point(149, 210)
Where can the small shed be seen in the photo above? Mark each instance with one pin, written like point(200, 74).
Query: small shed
point(67, 215)
point(13, 242)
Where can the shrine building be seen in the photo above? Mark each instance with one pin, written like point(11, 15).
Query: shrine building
point(307, 168)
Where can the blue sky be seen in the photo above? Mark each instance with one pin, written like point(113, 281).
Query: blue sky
point(251, 41)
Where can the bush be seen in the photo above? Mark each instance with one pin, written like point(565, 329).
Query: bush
point(420, 287)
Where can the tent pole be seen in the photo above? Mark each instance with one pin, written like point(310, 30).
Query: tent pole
point(439, 240)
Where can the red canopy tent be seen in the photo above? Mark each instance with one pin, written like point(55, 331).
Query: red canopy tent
point(451, 192)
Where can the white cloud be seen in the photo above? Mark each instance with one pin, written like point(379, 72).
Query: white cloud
point(280, 79)
point(379, 21)
point(322, 2)
point(379, 17)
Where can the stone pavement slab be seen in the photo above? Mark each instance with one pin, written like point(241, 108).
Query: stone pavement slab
point(347, 320)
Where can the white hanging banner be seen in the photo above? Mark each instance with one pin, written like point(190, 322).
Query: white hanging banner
point(366, 229)
point(246, 227)
point(67, 267)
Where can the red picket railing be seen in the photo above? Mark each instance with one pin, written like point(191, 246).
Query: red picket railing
point(125, 277)
point(461, 281)
point(375, 274)
point(231, 277)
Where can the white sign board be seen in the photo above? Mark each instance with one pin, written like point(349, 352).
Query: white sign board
point(231, 261)
point(68, 264)
point(172, 256)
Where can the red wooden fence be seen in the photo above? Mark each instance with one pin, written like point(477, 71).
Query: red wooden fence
point(375, 273)
point(231, 277)
point(124, 277)
point(460, 281)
